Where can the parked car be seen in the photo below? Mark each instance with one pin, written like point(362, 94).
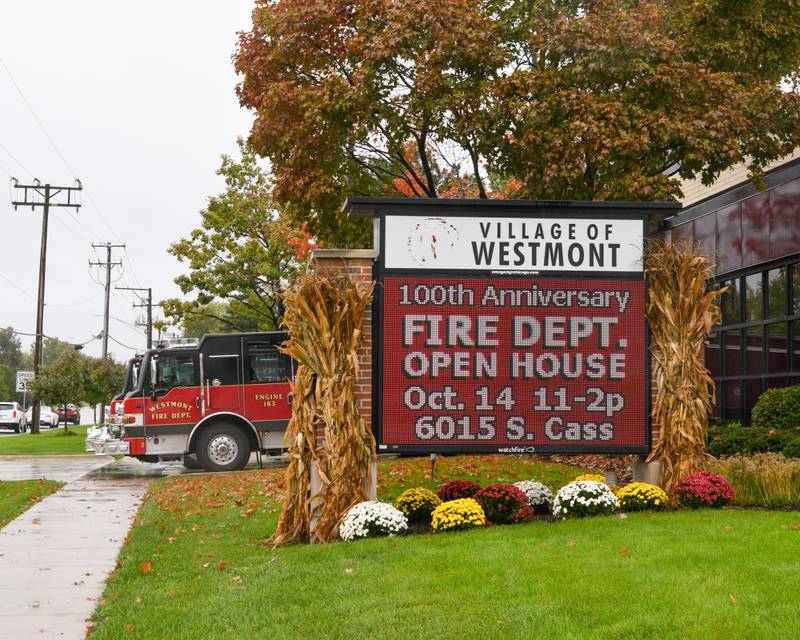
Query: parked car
point(12, 416)
point(47, 416)
point(73, 414)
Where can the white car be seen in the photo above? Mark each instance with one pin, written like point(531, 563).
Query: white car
point(46, 416)
point(12, 416)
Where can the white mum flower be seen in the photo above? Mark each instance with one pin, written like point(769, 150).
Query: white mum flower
point(539, 495)
point(584, 498)
point(372, 518)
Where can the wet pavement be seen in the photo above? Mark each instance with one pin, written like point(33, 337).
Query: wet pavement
point(68, 468)
point(55, 557)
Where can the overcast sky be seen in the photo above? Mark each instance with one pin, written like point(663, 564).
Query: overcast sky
point(139, 99)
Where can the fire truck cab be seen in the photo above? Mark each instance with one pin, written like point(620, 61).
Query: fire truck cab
point(209, 404)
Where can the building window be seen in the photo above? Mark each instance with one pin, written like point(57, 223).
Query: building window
point(757, 346)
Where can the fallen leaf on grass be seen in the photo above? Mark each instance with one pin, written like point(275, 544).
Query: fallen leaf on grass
point(128, 626)
point(138, 600)
point(733, 599)
point(206, 565)
point(222, 565)
point(542, 545)
point(349, 570)
point(623, 551)
point(236, 578)
point(728, 527)
point(146, 567)
point(570, 543)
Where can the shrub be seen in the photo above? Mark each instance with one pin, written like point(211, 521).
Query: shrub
point(590, 477)
point(584, 498)
point(791, 449)
point(765, 479)
point(504, 504)
point(778, 409)
point(371, 519)
point(703, 489)
point(640, 496)
point(731, 437)
point(417, 504)
point(539, 495)
point(458, 489)
point(456, 515)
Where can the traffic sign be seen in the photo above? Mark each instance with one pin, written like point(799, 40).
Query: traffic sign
point(23, 378)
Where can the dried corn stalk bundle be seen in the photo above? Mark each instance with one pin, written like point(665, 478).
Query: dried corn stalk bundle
point(681, 313)
point(324, 315)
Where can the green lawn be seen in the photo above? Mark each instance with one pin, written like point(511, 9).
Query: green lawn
point(17, 496)
point(47, 442)
point(196, 567)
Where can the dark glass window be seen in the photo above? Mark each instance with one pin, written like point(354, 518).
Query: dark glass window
point(761, 353)
point(731, 303)
point(733, 353)
point(752, 390)
point(733, 400)
point(777, 348)
point(267, 364)
point(754, 298)
point(795, 302)
point(777, 283)
point(713, 356)
point(754, 349)
point(796, 345)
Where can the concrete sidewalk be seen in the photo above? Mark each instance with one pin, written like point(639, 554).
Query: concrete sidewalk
point(55, 557)
point(60, 468)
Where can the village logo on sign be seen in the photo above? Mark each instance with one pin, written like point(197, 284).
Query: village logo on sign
point(510, 327)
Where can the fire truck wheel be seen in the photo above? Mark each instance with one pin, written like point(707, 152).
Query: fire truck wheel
point(191, 462)
point(222, 447)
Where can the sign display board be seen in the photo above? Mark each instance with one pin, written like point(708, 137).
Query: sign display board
point(513, 244)
point(510, 326)
point(23, 377)
point(513, 365)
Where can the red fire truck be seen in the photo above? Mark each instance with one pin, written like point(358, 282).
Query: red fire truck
point(210, 404)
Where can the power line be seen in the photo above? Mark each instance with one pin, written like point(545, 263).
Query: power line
point(35, 117)
point(55, 148)
point(13, 157)
point(17, 287)
point(123, 345)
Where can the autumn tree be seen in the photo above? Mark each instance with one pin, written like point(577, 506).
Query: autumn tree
point(241, 257)
point(601, 99)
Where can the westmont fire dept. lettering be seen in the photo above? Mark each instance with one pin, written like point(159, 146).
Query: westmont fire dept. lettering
point(170, 410)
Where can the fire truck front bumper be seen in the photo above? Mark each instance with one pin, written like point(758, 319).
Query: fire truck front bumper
point(102, 442)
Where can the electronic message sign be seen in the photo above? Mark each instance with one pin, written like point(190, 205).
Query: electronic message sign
point(511, 327)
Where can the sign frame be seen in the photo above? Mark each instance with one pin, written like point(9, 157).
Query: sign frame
point(381, 208)
point(20, 388)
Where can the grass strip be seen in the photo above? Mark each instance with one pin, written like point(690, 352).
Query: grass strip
point(47, 442)
point(17, 496)
point(197, 547)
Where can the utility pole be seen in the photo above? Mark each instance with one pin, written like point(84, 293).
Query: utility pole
point(108, 265)
point(146, 304)
point(46, 198)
